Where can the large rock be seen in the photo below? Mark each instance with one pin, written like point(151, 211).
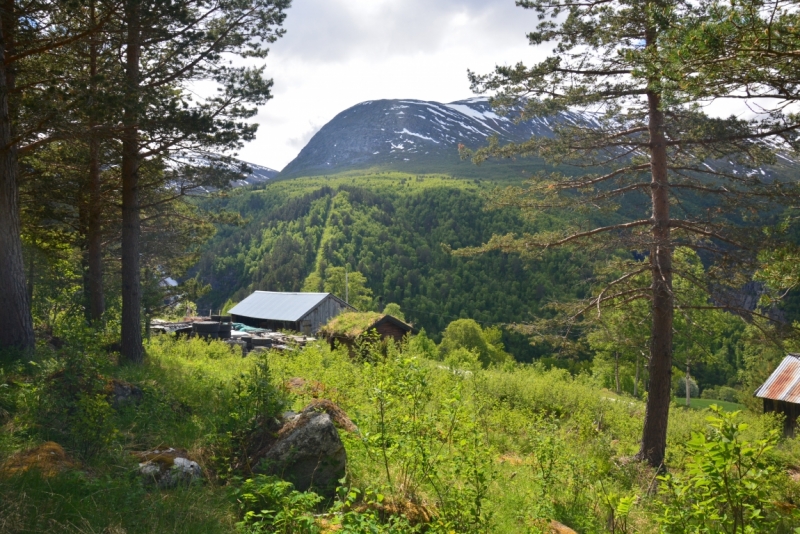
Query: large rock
point(168, 468)
point(121, 393)
point(307, 450)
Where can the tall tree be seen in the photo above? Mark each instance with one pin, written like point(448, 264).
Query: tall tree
point(166, 47)
point(650, 172)
point(33, 37)
point(747, 50)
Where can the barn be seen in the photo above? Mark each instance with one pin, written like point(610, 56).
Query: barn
point(298, 312)
point(781, 392)
point(348, 328)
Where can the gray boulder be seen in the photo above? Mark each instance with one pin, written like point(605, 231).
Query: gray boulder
point(307, 452)
point(122, 393)
point(168, 468)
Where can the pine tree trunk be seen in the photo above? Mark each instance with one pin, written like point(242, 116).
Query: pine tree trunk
point(94, 230)
point(654, 435)
point(31, 273)
point(636, 380)
point(132, 349)
point(16, 323)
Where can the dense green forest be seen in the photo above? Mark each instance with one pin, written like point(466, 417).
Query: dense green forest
point(392, 228)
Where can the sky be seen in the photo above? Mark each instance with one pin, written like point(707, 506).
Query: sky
point(337, 53)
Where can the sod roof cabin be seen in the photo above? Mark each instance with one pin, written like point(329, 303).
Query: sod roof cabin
point(781, 392)
point(350, 327)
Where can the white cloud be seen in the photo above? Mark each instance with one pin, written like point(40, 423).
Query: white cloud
point(338, 53)
point(300, 141)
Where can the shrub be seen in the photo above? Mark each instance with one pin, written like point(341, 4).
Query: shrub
point(71, 402)
point(679, 386)
point(723, 393)
point(468, 334)
point(268, 504)
point(728, 483)
point(394, 310)
point(424, 346)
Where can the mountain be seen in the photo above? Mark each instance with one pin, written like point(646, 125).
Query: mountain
point(258, 175)
point(411, 136)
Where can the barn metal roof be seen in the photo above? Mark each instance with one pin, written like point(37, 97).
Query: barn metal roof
point(784, 382)
point(275, 306)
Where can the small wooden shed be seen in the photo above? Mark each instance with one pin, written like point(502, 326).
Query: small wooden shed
point(299, 312)
point(348, 328)
point(781, 392)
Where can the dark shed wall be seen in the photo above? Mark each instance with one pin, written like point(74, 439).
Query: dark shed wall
point(389, 330)
point(789, 409)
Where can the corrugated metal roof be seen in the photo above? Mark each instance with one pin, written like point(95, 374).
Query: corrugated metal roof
point(784, 382)
point(275, 306)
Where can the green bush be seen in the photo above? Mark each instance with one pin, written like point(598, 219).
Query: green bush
point(723, 393)
point(728, 485)
point(679, 386)
point(268, 504)
point(394, 310)
point(468, 334)
point(71, 403)
point(424, 346)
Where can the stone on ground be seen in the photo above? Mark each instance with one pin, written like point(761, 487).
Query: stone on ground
point(307, 450)
point(168, 468)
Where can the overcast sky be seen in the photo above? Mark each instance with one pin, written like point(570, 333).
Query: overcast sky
point(337, 53)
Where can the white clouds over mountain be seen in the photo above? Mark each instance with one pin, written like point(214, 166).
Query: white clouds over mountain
point(337, 53)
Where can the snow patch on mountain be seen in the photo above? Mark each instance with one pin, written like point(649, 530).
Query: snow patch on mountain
point(380, 132)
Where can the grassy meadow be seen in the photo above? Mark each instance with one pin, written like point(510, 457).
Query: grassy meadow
point(442, 446)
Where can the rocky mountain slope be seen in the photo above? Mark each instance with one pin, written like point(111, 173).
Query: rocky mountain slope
point(258, 175)
point(408, 134)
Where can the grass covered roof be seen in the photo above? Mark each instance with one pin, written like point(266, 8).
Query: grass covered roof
point(351, 324)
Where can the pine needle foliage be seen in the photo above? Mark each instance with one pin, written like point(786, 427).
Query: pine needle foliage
point(646, 154)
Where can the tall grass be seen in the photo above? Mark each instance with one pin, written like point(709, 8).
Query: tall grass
point(505, 449)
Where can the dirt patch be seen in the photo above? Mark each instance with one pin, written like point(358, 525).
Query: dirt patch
point(336, 414)
point(416, 514)
point(48, 458)
point(311, 388)
point(511, 459)
point(558, 528)
point(164, 457)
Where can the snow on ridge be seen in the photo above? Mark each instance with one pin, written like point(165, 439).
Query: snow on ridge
point(468, 111)
point(480, 116)
point(475, 99)
point(406, 132)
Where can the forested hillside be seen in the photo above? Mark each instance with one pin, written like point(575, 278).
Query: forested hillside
point(390, 227)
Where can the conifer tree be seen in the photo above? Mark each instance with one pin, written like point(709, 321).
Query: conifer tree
point(167, 46)
point(34, 38)
point(649, 171)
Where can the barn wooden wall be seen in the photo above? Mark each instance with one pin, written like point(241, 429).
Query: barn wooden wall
point(389, 330)
point(326, 310)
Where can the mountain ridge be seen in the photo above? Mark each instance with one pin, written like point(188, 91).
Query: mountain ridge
point(408, 134)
